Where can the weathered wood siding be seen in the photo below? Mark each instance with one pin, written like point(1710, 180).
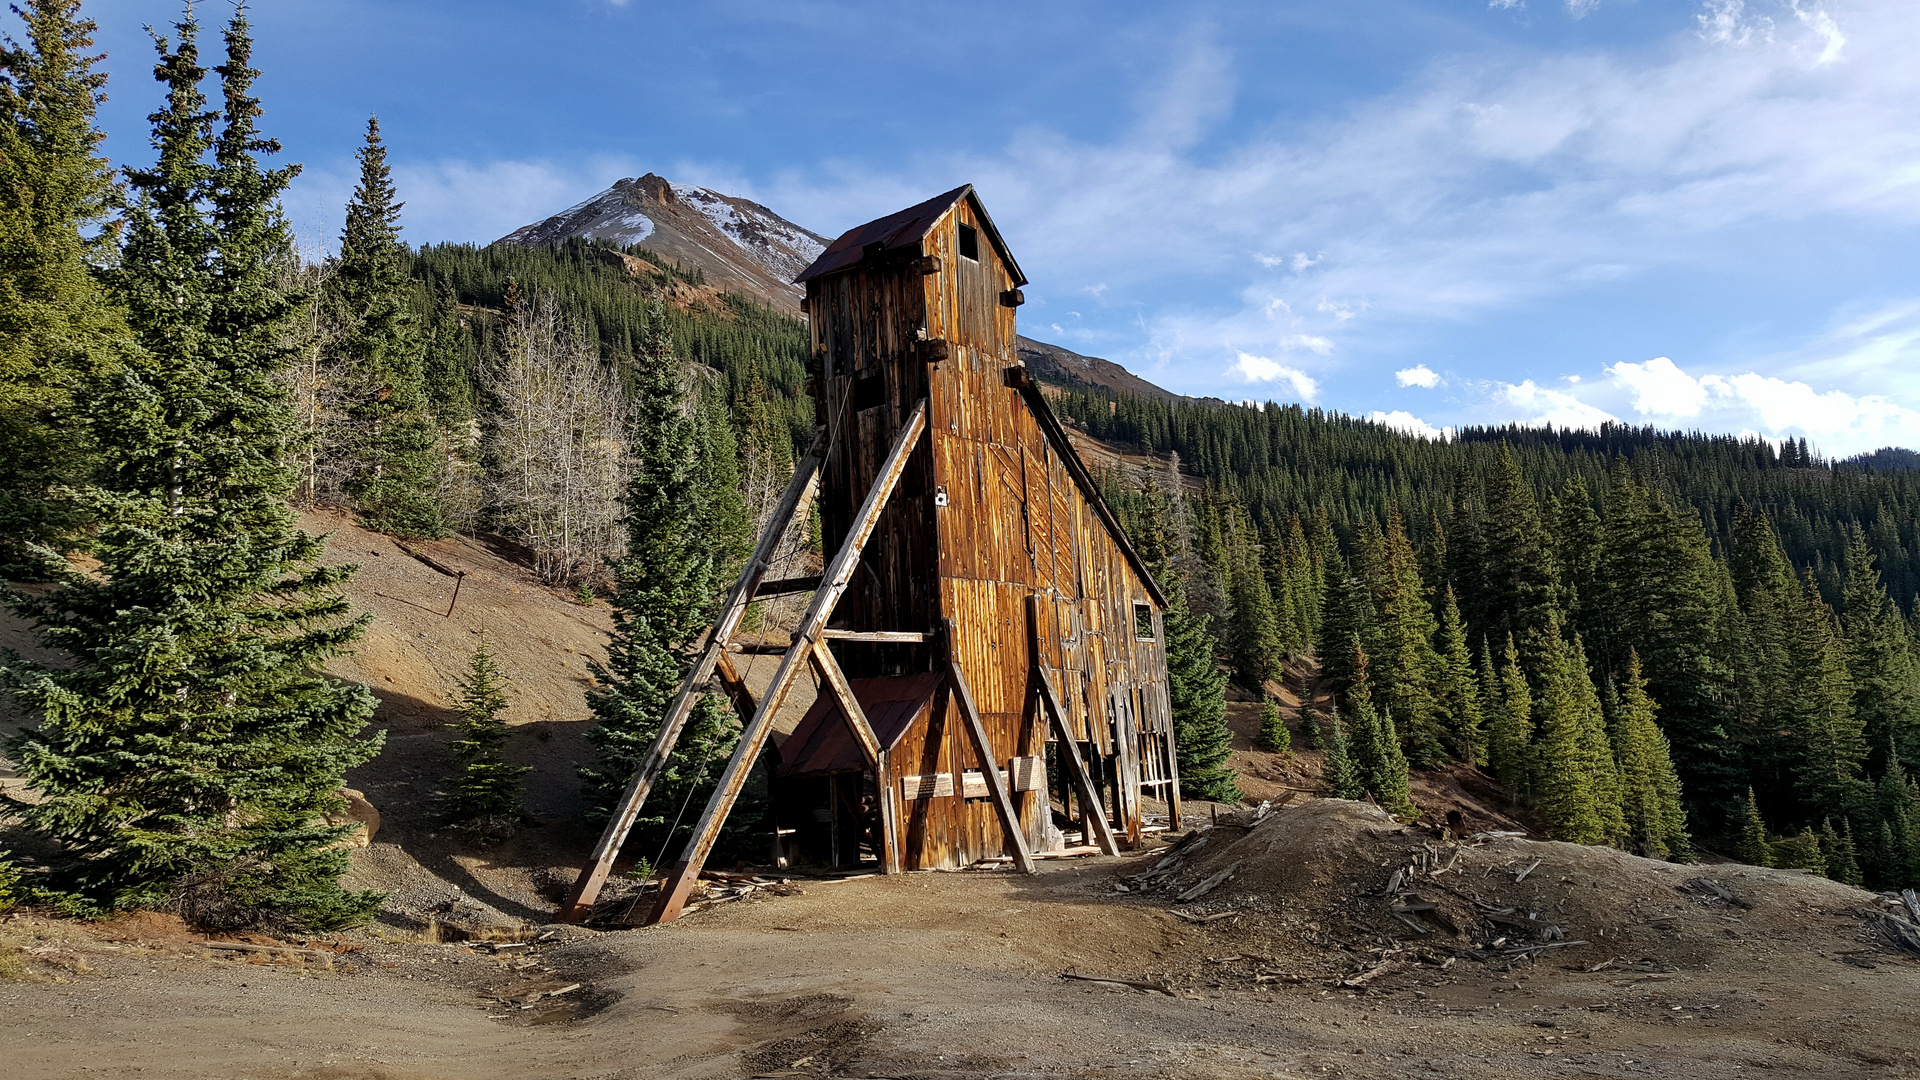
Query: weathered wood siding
point(1015, 522)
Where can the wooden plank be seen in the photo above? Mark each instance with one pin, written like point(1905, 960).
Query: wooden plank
point(927, 785)
point(586, 888)
point(904, 637)
point(856, 717)
point(983, 749)
point(1093, 812)
point(736, 687)
point(783, 586)
point(674, 893)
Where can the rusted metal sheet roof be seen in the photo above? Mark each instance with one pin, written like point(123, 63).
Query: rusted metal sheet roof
point(904, 228)
point(823, 743)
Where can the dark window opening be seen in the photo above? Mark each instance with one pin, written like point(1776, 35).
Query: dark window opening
point(869, 390)
point(970, 243)
point(1143, 622)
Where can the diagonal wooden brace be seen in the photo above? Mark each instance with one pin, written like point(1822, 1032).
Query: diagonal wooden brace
point(870, 748)
point(1090, 806)
point(989, 764)
point(586, 888)
point(833, 585)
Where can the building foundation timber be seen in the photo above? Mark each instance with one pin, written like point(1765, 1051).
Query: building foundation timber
point(674, 889)
point(586, 888)
point(1015, 835)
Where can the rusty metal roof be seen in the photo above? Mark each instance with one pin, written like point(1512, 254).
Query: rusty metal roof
point(904, 228)
point(823, 743)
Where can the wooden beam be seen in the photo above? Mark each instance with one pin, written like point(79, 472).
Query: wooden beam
point(856, 716)
point(1093, 813)
point(673, 893)
point(1091, 809)
point(586, 888)
point(758, 648)
point(870, 748)
point(880, 637)
point(783, 586)
point(989, 763)
point(736, 687)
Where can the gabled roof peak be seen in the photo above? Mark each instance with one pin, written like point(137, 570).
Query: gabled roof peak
point(901, 229)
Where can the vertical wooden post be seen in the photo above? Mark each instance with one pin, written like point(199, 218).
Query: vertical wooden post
point(833, 584)
point(1093, 816)
point(586, 888)
point(989, 764)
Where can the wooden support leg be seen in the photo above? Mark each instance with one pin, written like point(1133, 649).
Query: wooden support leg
point(989, 764)
point(586, 888)
point(1095, 819)
point(673, 894)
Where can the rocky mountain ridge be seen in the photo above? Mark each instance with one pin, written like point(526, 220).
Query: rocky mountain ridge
point(738, 244)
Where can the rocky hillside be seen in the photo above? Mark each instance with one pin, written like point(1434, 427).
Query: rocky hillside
point(739, 245)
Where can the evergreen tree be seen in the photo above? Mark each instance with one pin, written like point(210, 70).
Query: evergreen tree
point(1196, 689)
point(1881, 659)
point(1576, 795)
point(1374, 746)
point(1404, 668)
point(394, 450)
point(1274, 736)
point(1750, 843)
point(188, 748)
point(1818, 711)
point(1510, 732)
point(1842, 863)
point(1522, 595)
point(57, 329)
point(1342, 777)
point(1459, 696)
point(1656, 821)
point(1253, 635)
point(1349, 617)
point(486, 793)
point(666, 591)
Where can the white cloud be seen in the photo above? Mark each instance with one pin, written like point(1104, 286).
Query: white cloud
point(1579, 8)
point(1726, 22)
point(1251, 368)
point(1660, 387)
point(1302, 260)
point(1400, 420)
point(1502, 5)
point(1553, 408)
point(1419, 375)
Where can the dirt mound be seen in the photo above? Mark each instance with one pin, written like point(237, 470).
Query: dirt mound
point(1341, 887)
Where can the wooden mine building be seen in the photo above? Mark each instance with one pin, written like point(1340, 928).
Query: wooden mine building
point(980, 600)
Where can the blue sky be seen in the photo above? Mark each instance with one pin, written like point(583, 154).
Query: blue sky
point(1693, 214)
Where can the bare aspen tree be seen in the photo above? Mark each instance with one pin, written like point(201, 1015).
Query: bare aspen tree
point(314, 376)
point(557, 446)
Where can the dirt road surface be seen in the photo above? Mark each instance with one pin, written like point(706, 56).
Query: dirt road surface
point(949, 975)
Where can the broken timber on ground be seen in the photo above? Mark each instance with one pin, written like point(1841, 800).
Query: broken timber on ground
point(980, 600)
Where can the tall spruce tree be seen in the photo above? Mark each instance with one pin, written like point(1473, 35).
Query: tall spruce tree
point(666, 590)
point(1575, 783)
point(1826, 739)
point(393, 449)
point(1342, 778)
point(1196, 691)
point(1374, 745)
point(1459, 697)
point(1510, 729)
point(1253, 635)
point(1520, 583)
point(1656, 820)
point(1881, 660)
point(1404, 669)
point(188, 748)
point(57, 329)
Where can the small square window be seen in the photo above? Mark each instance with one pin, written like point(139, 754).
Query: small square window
point(1143, 622)
point(970, 243)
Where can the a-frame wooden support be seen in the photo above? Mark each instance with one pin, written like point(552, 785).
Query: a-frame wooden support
point(997, 784)
point(679, 881)
point(1092, 811)
point(586, 889)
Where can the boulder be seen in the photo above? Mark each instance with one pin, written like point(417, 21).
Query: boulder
point(359, 810)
